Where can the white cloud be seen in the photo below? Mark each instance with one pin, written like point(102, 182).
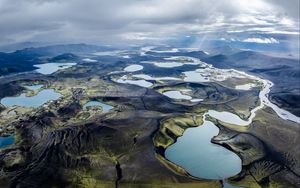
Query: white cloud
point(117, 21)
point(262, 40)
point(137, 36)
point(266, 30)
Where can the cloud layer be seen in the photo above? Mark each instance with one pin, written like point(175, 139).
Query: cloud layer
point(141, 21)
point(262, 40)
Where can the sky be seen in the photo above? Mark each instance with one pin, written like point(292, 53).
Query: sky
point(149, 21)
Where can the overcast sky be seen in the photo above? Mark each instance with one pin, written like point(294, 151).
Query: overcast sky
point(132, 21)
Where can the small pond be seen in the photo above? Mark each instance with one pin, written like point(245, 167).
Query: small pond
point(34, 87)
point(177, 95)
point(229, 117)
point(142, 83)
point(6, 141)
point(105, 107)
point(133, 68)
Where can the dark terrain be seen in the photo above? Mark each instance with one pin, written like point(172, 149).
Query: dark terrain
point(62, 145)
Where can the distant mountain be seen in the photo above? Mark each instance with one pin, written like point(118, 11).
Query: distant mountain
point(196, 54)
point(65, 57)
point(14, 63)
point(23, 60)
point(249, 60)
point(61, 49)
point(8, 48)
point(221, 49)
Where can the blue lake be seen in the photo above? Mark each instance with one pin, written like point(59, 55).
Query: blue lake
point(6, 141)
point(199, 157)
point(105, 107)
point(49, 68)
point(33, 101)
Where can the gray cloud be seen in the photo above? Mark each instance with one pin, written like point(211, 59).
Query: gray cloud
point(118, 21)
point(290, 8)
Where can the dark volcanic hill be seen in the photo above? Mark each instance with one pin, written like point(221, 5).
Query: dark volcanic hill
point(61, 49)
point(23, 60)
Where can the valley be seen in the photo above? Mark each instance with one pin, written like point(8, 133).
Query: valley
point(144, 118)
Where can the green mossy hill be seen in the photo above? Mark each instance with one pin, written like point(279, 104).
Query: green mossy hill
point(174, 127)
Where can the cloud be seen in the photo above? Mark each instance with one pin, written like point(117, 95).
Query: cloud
point(131, 21)
point(262, 40)
point(290, 7)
